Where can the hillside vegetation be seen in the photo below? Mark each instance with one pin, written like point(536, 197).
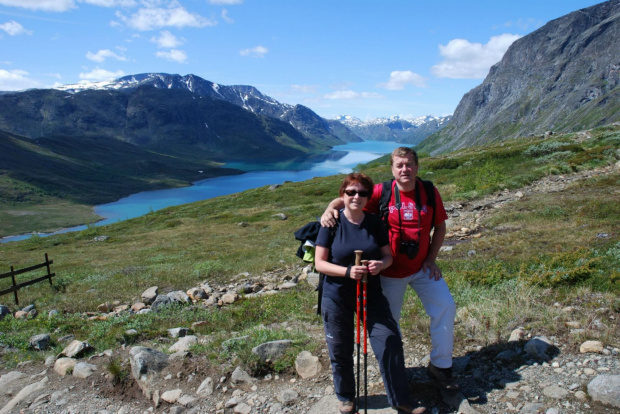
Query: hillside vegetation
point(547, 248)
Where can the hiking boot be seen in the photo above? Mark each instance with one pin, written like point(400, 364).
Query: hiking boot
point(346, 407)
point(443, 376)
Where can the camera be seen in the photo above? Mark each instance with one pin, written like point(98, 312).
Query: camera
point(410, 248)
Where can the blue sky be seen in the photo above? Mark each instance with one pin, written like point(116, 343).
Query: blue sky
point(362, 58)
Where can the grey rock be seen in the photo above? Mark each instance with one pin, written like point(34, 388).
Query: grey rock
point(4, 311)
point(184, 344)
point(149, 295)
point(239, 375)
point(272, 350)
point(84, 370)
point(178, 332)
point(605, 389)
point(178, 296)
point(288, 396)
point(307, 365)
point(206, 388)
point(539, 347)
point(76, 349)
point(40, 342)
point(555, 391)
point(23, 394)
point(146, 360)
point(532, 408)
point(159, 302)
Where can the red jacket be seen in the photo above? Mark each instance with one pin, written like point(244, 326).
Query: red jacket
point(402, 265)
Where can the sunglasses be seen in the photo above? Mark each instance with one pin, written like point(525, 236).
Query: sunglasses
point(351, 193)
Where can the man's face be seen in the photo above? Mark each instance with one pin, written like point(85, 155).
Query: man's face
point(404, 170)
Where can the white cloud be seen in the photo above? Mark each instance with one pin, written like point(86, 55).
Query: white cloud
point(398, 80)
point(523, 24)
point(45, 5)
point(16, 80)
point(173, 55)
point(103, 54)
point(349, 95)
point(99, 74)
point(465, 60)
point(258, 52)
point(304, 88)
point(225, 16)
point(151, 18)
point(225, 2)
point(111, 3)
point(13, 28)
point(167, 40)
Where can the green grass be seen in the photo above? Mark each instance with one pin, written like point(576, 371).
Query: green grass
point(553, 252)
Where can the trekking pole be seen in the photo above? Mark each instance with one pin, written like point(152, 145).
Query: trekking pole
point(365, 290)
point(358, 261)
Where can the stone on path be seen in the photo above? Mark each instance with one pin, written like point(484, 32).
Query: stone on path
point(271, 350)
point(591, 346)
point(62, 365)
point(84, 370)
point(605, 389)
point(307, 365)
point(23, 394)
point(239, 375)
point(206, 388)
point(555, 392)
point(184, 344)
point(539, 347)
point(75, 349)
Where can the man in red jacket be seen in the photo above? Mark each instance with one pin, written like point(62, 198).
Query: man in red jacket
point(414, 253)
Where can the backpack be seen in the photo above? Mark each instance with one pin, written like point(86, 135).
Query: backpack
point(386, 194)
point(307, 235)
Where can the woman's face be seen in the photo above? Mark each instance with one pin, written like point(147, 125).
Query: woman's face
point(355, 197)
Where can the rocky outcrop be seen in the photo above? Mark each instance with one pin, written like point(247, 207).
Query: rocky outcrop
point(563, 77)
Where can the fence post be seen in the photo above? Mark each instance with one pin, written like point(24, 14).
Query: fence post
point(14, 283)
point(49, 272)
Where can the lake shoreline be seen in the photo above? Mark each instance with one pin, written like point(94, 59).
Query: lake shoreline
point(341, 159)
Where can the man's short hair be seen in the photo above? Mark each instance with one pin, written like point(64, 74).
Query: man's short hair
point(403, 152)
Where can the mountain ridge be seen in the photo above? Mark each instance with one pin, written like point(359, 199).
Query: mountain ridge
point(409, 131)
point(245, 96)
point(563, 77)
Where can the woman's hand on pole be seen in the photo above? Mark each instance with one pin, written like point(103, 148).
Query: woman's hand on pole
point(358, 272)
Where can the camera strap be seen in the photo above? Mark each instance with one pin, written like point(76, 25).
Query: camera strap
point(418, 204)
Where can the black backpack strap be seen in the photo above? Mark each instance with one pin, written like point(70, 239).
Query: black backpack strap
point(429, 188)
point(319, 287)
point(384, 201)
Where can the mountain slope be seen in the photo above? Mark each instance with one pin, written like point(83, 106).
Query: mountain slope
point(93, 170)
point(406, 131)
point(172, 121)
point(562, 77)
point(247, 97)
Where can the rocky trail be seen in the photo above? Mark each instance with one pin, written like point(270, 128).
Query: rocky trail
point(529, 373)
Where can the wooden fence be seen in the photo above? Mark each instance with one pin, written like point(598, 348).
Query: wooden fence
point(16, 286)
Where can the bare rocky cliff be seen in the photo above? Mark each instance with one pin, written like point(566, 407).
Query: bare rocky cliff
point(562, 77)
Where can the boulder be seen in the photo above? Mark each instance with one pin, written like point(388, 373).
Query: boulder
point(307, 365)
point(271, 350)
point(149, 295)
point(62, 365)
point(605, 389)
point(40, 342)
point(84, 370)
point(76, 349)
